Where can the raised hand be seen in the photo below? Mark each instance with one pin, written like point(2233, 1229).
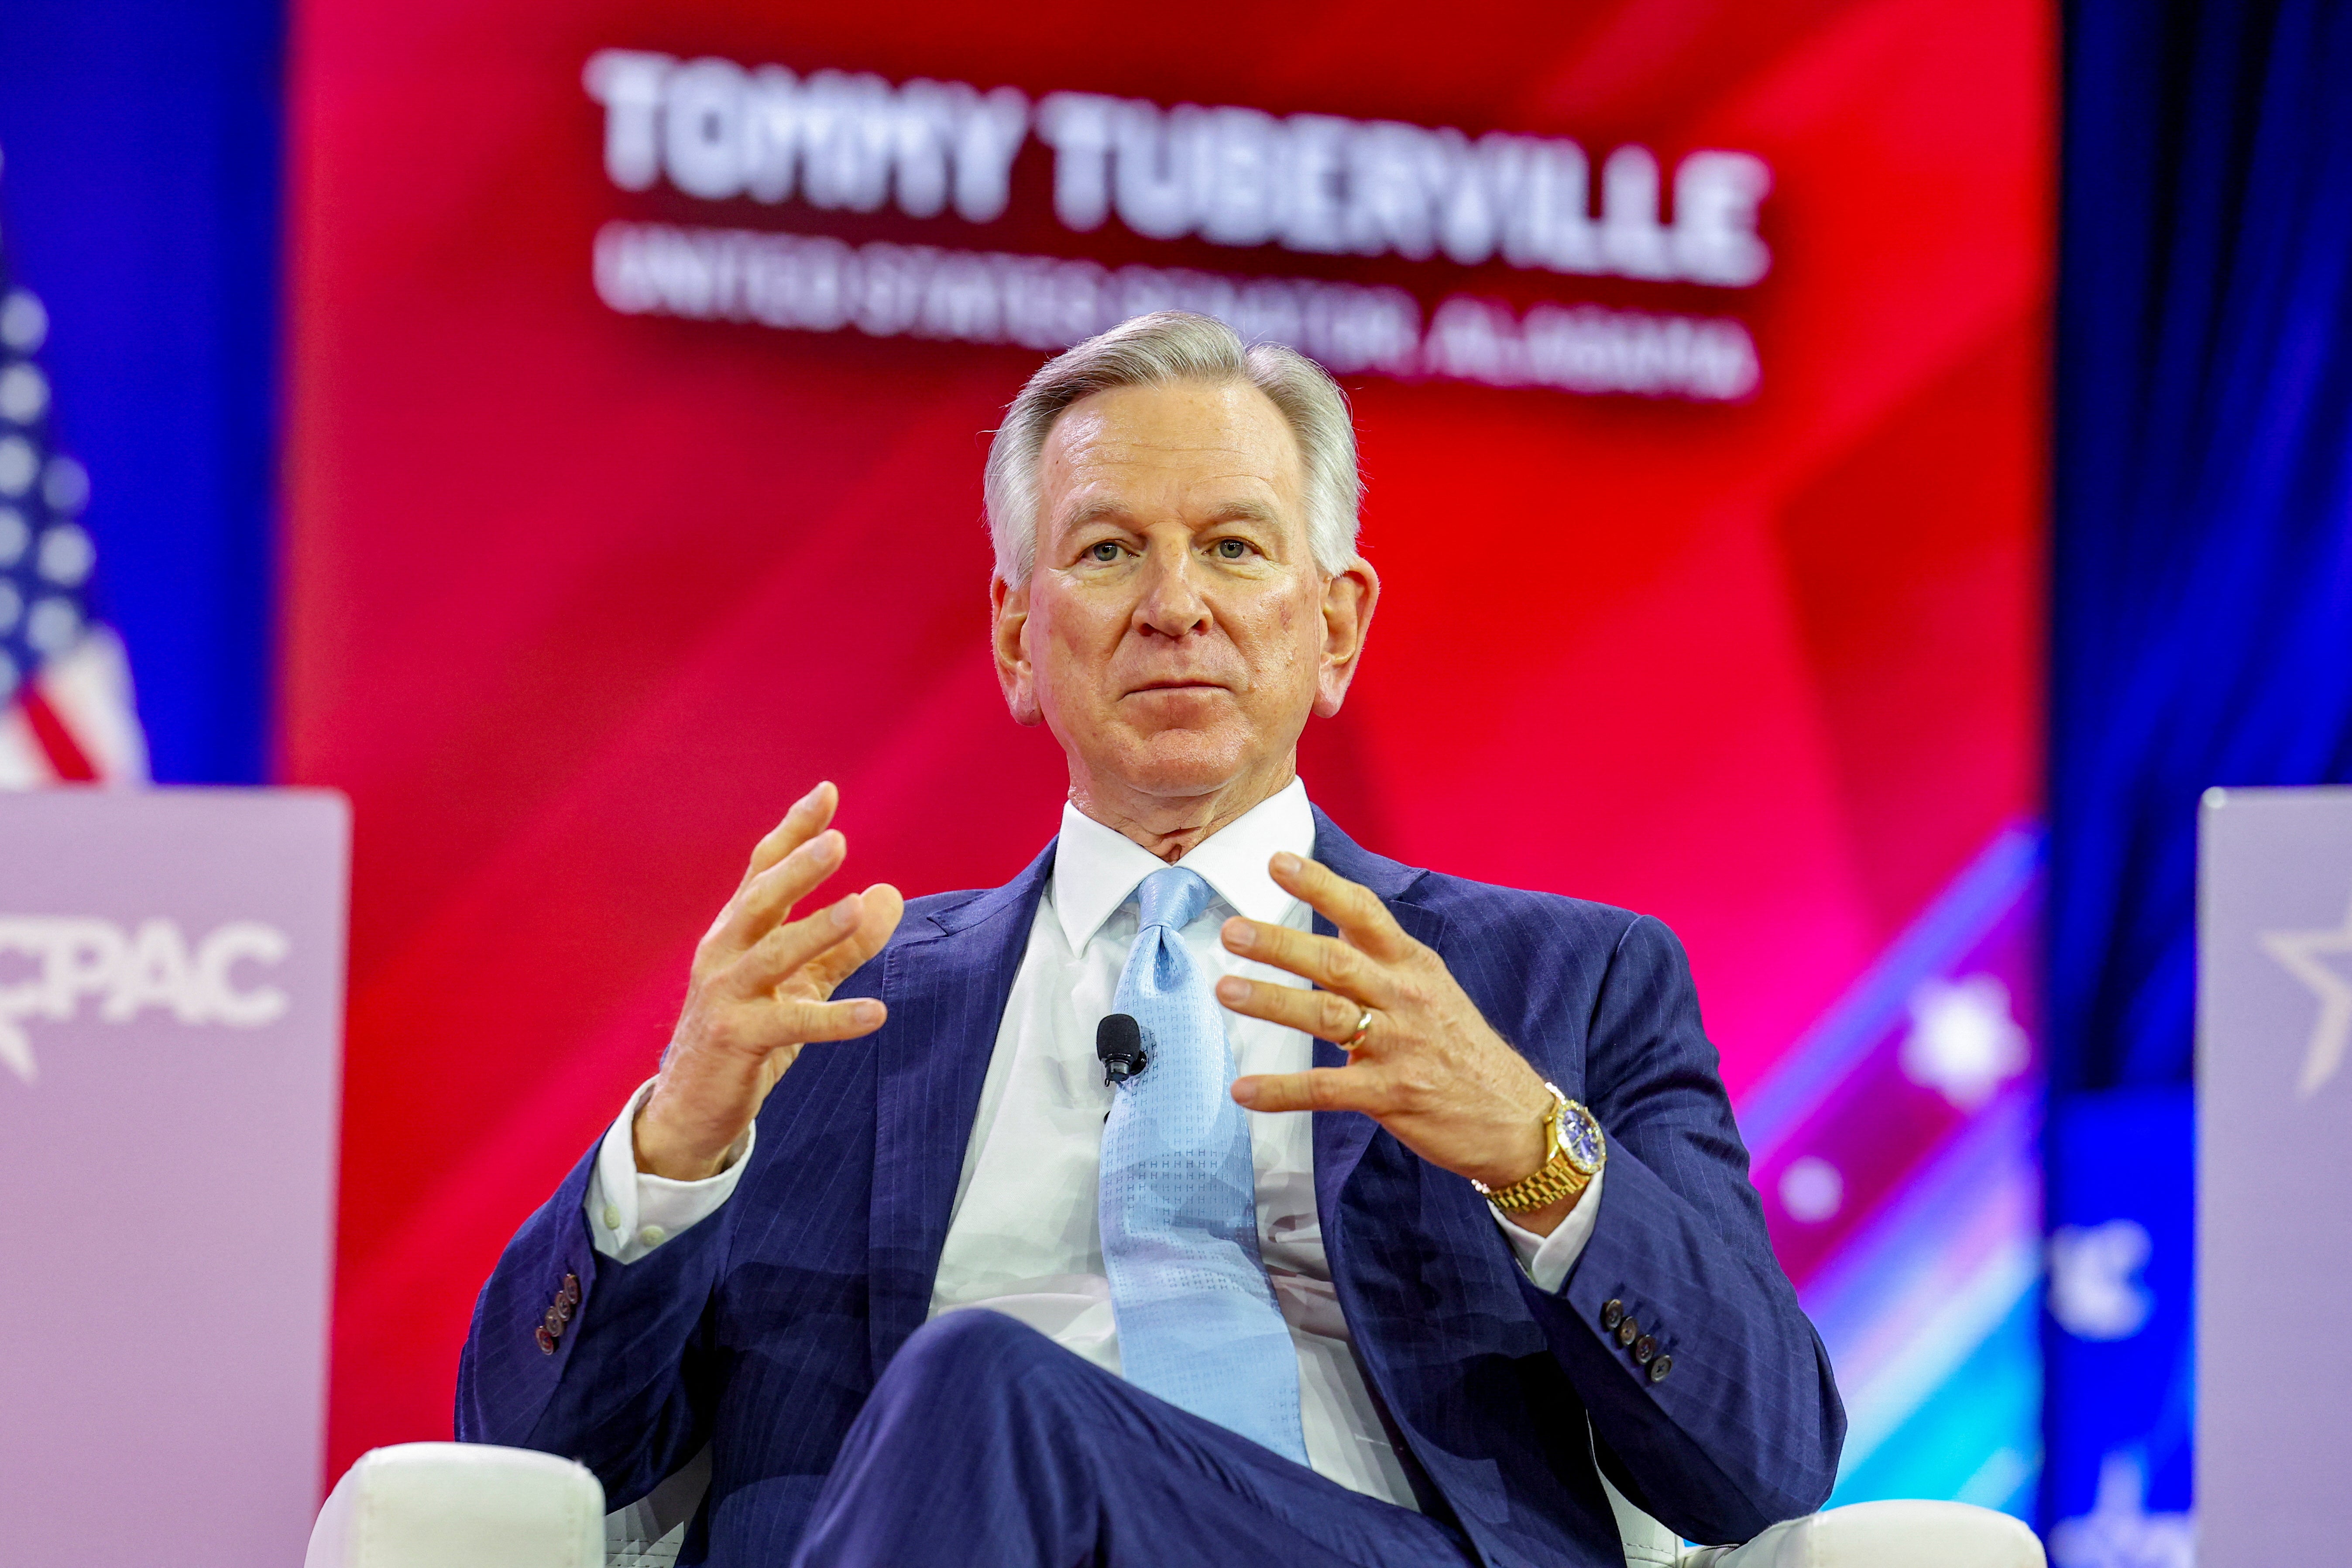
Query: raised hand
point(760, 990)
point(1427, 1067)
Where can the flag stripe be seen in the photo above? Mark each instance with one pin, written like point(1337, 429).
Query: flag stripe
point(70, 763)
point(67, 712)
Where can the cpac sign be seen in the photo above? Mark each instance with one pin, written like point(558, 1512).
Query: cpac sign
point(175, 959)
point(61, 962)
point(1311, 183)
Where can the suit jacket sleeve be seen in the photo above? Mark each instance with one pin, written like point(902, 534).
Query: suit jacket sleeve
point(627, 1390)
point(1746, 1427)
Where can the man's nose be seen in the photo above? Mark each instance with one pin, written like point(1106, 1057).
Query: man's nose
point(1172, 603)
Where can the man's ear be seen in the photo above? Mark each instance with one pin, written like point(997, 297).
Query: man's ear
point(1348, 599)
point(1008, 609)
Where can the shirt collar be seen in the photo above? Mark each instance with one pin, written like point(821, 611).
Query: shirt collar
point(1095, 868)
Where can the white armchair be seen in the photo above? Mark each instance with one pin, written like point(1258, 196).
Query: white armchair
point(459, 1505)
point(1862, 1535)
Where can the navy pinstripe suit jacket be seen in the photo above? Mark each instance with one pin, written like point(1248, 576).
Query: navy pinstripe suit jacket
point(761, 1331)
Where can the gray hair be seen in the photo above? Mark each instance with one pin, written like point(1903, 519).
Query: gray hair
point(1153, 351)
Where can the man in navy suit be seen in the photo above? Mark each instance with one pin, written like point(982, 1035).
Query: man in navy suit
point(1405, 1209)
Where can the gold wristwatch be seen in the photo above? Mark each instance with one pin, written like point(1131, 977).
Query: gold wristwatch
point(1578, 1152)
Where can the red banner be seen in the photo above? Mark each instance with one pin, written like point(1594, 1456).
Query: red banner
point(643, 359)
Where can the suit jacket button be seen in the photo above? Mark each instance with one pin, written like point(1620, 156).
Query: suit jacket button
point(1644, 1348)
point(572, 1289)
point(1613, 1312)
point(1628, 1331)
point(1660, 1367)
point(546, 1341)
point(553, 1322)
point(564, 1309)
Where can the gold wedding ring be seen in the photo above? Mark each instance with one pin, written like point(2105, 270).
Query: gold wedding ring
point(1363, 1027)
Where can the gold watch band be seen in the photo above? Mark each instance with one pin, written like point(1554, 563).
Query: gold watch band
point(1556, 1179)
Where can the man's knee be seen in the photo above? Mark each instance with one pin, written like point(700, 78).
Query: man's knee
point(970, 1357)
point(964, 1438)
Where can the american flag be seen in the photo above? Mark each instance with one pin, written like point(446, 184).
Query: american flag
point(67, 714)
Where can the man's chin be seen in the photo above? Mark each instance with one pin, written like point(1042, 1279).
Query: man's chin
point(1178, 762)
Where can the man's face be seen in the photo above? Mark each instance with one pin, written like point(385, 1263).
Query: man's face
point(1176, 631)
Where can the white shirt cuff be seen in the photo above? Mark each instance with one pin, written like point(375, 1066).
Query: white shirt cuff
point(631, 1213)
point(1546, 1260)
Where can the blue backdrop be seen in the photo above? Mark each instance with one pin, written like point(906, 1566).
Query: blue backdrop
point(2202, 628)
point(2202, 634)
point(140, 198)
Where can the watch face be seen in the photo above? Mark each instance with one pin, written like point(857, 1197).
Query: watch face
point(1581, 1136)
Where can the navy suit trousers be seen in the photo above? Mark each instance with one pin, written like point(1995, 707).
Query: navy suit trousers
point(986, 1444)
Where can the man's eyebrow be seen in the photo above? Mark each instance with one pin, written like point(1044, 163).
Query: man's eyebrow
point(1243, 509)
point(1104, 508)
point(1101, 508)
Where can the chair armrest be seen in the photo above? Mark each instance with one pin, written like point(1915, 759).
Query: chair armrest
point(1885, 1535)
point(460, 1505)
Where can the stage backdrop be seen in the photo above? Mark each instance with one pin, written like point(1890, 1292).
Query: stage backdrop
point(643, 360)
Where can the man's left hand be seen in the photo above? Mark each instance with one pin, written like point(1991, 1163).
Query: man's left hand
point(1429, 1068)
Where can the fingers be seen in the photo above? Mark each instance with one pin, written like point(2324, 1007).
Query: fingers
point(1325, 1013)
point(1334, 966)
point(809, 817)
point(808, 1023)
point(1354, 966)
point(882, 906)
point(1355, 908)
point(1321, 1089)
point(776, 957)
point(756, 1031)
point(768, 897)
point(821, 950)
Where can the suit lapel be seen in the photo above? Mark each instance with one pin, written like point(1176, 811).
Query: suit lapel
point(1341, 1136)
point(945, 991)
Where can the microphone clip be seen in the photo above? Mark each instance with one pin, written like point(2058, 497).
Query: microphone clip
point(1118, 1043)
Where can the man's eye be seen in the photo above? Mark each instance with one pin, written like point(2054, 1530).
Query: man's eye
point(1231, 549)
point(1106, 552)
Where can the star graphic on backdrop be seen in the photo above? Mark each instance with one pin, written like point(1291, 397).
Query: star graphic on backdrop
point(2300, 952)
point(2119, 1531)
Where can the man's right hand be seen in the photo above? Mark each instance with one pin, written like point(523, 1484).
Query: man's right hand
point(761, 991)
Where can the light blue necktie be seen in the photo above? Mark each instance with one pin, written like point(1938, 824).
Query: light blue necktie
point(1197, 1322)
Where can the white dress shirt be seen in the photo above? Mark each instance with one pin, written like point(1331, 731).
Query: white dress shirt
point(1022, 1238)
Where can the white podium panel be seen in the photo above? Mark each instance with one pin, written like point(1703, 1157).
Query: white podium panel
point(2275, 1176)
point(171, 1029)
